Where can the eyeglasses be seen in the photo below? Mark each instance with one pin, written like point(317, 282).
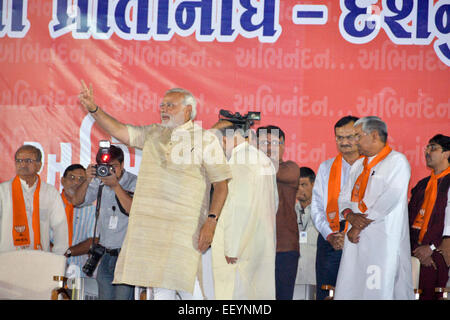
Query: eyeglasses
point(27, 161)
point(76, 178)
point(168, 105)
point(432, 147)
point(272, 142)
point(349, 138)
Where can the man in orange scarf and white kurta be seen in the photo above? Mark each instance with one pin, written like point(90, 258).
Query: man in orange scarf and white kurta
point(30, 208)
point(244, 245)
point(376, 260)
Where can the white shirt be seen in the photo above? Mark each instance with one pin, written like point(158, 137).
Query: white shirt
point(52, 217)
point(306, 271)
point(447, 216)
point(320, 195)
point(379, 265)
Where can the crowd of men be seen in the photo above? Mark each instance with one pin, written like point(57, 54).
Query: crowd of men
point(225, 216)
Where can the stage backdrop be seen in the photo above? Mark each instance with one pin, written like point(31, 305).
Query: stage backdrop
point(303, 64)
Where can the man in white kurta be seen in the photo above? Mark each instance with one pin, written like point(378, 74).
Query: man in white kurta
point(52, 216)
point(376, 261)
point(243, 249)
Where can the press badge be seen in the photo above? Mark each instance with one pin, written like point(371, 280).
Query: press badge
point(303, 237)
point(113, 220)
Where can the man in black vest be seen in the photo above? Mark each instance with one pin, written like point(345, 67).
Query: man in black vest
point(427, 210)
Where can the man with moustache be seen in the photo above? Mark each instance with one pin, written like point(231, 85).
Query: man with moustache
point(170, 224)
point(428, 207)
point(30, 209)
point(80, 221)
point(376, 258)
point(331, 177)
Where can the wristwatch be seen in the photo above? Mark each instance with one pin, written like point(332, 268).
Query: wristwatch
point(432, 247)
point(68, 253)
point(212, 215)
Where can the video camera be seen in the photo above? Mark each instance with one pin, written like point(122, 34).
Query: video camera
point(243, 122)
point(104, 168)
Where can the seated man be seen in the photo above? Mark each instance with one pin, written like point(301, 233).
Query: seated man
point(80, 221)
point(31, 209)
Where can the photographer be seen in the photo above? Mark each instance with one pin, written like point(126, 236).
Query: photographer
point(112, 223)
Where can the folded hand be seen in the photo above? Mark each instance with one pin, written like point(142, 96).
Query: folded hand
point(353, 234)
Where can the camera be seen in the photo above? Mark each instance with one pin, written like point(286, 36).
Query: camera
point(103, 169)
point(242, 121)
point(96, 252)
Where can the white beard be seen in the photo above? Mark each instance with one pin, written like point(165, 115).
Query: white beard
point(174, 120)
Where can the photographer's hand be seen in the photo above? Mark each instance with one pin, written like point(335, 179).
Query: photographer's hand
point(90, 173)
point(80, 192)
point(123, 196)
point(110, 181)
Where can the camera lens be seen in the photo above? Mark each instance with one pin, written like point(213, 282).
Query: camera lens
point(102, 170)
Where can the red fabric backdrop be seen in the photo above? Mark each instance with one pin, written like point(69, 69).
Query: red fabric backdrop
point(302, 77)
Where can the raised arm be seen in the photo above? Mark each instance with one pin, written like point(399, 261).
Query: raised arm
point(115, 128)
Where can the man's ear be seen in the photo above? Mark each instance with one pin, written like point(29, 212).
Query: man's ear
point(375, 135)
point(187, 112)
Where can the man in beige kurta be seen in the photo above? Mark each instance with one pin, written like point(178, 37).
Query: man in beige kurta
point(243, 249)
point(170, 204)
point(169, 225)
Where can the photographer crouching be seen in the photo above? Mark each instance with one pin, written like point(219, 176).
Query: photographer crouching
point(113, 188)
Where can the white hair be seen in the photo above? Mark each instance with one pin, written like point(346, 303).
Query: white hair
point(371, 123)
point(188, 99)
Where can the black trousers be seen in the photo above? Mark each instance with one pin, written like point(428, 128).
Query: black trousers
point(286, 264)
point(327, 264)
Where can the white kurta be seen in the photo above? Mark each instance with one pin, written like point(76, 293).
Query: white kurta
point(306, 271)
point(51, 213)
point(246, 230)
point(379, 265)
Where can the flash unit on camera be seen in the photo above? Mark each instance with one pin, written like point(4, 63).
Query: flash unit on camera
point(106, 157)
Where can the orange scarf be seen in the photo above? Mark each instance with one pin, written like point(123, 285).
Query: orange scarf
point(359, 189)
point(20, 230)
point(424, 215)
point(334, 188)
point(69, 215)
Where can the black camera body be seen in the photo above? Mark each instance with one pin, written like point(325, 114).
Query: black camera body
point(242, 121)
point(96, 252)
point(103, 168)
